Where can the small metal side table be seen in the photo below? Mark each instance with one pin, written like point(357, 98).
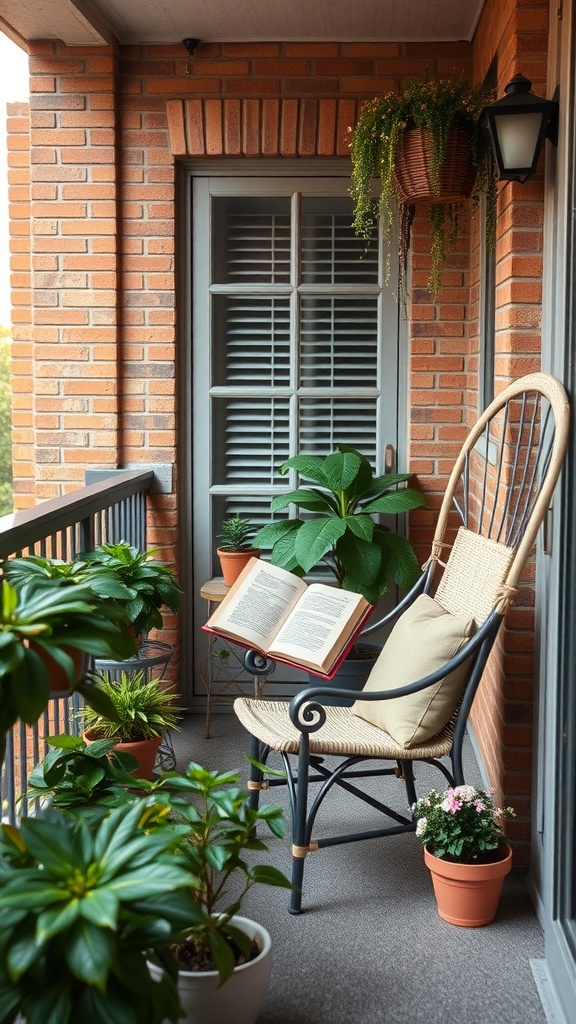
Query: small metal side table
point(222, 666)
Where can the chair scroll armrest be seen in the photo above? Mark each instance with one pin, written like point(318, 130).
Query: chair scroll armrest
point(257, 664)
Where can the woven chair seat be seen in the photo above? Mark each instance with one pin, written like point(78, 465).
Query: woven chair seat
point(343, 733)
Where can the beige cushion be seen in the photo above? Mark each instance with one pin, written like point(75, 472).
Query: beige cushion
point(425, 637)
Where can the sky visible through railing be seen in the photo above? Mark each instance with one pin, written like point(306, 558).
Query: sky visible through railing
point(13, 87)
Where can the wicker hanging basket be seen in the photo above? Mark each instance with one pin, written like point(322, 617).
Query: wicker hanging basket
point(413, 172)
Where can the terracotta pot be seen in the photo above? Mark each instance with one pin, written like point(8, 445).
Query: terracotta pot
point(239, 999)
point(145, 752)
point(468, 894)
point(412, 174)
point(233, 562)
point(59, 681)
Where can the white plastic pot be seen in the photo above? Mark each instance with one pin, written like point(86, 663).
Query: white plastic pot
point(239, 999)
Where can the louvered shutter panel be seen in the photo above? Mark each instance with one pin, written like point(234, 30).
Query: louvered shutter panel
point(296, 334)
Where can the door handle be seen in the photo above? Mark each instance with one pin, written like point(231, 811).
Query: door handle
point(389, 458)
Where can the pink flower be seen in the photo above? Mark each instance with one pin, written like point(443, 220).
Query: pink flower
point(451, 804)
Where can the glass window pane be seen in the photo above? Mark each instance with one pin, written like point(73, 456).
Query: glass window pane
point(327, 422)
point(251, 242)
point(250, 440)
point(338, 342)
point(331, 251)
point(251, 336)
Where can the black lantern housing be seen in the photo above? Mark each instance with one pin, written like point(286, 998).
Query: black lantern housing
point(517, 126)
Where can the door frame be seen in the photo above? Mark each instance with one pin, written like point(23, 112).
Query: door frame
point(553, 865)
point(193, 608)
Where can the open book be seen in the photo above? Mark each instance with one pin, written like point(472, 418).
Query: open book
point(310, 626)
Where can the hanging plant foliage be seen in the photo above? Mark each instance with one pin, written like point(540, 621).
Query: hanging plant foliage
point(425, 145)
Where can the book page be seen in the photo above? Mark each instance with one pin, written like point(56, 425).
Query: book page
point(258, 603)
point(320, 625)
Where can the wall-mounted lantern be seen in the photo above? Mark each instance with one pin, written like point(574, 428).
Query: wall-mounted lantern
point(517, 126)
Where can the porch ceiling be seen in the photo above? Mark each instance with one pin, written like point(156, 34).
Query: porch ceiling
point(89, 22)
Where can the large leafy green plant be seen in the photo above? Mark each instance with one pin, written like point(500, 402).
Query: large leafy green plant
point(438, 105)
point(86, 779)
point(80, 906)
point(221, 827)
point(340, 530)
point(216, 828)
point(55, 621)
point(150, 584)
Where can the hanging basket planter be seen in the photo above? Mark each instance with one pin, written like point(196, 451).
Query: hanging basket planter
point(413, 172)
point(426, 146)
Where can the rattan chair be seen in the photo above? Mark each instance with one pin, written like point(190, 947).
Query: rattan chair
point(498, 495)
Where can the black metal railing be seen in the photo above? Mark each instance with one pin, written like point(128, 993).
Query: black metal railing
point(105, 512)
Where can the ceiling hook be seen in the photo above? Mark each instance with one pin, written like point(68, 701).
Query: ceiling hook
point(190, 45)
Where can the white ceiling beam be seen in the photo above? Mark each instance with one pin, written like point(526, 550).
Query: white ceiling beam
point(91, 23)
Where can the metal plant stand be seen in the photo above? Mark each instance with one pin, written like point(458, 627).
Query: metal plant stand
point(152, 659)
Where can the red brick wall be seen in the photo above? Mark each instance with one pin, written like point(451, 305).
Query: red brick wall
point(98, 333)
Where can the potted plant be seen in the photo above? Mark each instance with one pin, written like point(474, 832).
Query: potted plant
point(144, 709)
point(236, 548)
point(40, 628)
point(89, 779)
point(341, 533)
point(40, 572)
point(424, 145)
point(465, 850)
point(148, 583)
point(223, 962)
point(82, 905)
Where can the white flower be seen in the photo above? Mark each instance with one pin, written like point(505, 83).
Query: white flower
point(467, 793)
point(421, 826)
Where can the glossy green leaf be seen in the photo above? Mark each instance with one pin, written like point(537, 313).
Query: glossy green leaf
point(23, 949)
point(397, 501)
point(311, 467)
point(100, 906)
point(57, 918)
point(88, 952)
point(341, 469)
point(306, 498)
point(315, 538)
point(361, 526)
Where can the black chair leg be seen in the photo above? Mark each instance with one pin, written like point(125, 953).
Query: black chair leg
point(256, 775)
point(300, 838)
point(408, 774)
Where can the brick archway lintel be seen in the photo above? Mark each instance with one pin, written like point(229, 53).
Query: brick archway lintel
point(260, 128)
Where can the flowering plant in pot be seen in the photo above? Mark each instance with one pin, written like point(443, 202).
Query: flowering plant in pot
point(235, 548)
point(429, 120)
point(223, 962)
point(463, 837)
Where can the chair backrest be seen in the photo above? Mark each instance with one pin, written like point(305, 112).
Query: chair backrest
point(497, 496)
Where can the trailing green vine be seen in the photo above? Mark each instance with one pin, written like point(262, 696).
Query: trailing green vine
point(437, 105)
